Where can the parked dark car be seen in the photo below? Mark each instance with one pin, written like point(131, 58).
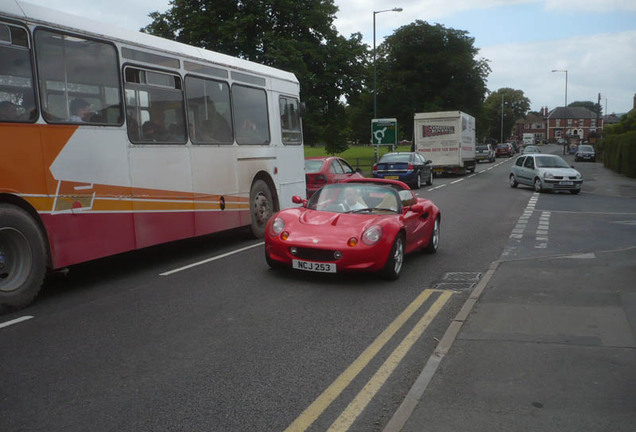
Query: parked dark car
point(320, 171)
point(504, 150)
point(409, 167)
point(585, 152)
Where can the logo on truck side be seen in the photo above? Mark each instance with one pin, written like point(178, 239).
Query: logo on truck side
point(430, 131)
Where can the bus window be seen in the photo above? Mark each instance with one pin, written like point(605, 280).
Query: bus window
point(209, 113)
point(17, 97)
point(154, 107)
point(79, 79)
point(250, 113)
point(290, 121)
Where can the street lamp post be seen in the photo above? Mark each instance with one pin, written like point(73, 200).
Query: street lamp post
point(566, 84)
point(375, 78)
point(502, 114)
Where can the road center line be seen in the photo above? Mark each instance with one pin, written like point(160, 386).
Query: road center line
point(189, 266)
point(313, 411)
point(360, 402)
point(457, 181)
point(15, 321)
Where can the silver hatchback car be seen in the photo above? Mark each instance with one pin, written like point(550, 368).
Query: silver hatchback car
point(545, 172)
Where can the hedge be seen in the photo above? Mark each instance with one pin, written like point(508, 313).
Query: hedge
point(619, 153)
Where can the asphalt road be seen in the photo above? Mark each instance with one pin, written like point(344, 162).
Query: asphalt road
point(142, 342)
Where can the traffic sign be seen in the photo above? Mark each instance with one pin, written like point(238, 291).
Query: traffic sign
point(384, 131)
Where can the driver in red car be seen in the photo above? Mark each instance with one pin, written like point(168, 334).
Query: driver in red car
point(353, 201)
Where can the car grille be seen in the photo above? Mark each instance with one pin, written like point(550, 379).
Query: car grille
point(315, 254)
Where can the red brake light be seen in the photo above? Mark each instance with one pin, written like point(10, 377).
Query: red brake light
point(411, 167)
point(375, 167)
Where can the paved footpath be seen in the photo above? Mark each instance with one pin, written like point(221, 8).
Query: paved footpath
point(547, 341)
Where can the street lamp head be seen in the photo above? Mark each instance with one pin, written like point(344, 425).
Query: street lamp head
point(397, 9)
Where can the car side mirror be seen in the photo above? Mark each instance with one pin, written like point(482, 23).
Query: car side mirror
point(298, 200)
point(428, 162)
point(417, 208)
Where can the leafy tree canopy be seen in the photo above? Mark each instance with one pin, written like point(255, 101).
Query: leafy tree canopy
point(515, 106)
point(592, 106)
point(423, 67)
point(293, 35)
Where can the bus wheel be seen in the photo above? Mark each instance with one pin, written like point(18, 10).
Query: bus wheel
point(262, 207)
point(22, 258)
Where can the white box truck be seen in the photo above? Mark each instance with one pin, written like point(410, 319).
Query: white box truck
point(528, 139)
point(448, 139)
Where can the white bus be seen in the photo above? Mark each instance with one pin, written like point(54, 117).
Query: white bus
point(114, 140)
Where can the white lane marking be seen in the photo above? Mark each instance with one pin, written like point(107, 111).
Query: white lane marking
point(457, 181)
point(189, 266)
point(15, 321)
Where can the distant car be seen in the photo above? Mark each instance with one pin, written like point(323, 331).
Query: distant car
point(531, 149)
point(504, 150)
point(484, 153)
point(545, 172)
point(357, 225)
point(320, 171)
point(408, 167)
point(585, 153)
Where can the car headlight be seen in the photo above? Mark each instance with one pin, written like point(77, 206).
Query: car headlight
point(579, 176)
point(372, 235)
point(548, 175)
point(278, 225)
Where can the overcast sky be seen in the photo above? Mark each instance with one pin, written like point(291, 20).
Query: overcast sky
point(594, 40)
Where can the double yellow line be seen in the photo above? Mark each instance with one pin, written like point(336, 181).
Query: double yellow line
point(358, 404)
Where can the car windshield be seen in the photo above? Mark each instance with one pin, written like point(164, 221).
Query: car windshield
point(313, 166)
point(550, 162)
point(586, 148)
point(482, 148)
point(502, 146)
point(356, 198)
point(396, 157)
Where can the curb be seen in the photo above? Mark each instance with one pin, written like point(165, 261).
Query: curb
point(413, 397)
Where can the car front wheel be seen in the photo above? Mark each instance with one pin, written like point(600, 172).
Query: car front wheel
point(393, 266)
point(537, 185)
point(433, 243)
point(513, 181)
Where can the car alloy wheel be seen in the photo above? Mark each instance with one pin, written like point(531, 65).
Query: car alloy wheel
point(513, 181)
point(433, 243)
point(393, 265)
point(537, 185)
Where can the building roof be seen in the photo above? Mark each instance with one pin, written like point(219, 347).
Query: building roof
point(572, 113)
point(531, 118)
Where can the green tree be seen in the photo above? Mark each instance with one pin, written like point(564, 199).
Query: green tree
point(515, 106)
point(423, 67)
point(592, 106)
point(294, 35)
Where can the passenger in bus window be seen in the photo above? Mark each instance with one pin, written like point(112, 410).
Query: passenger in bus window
point(150, 131)
point(8, 111)
point(80, 111)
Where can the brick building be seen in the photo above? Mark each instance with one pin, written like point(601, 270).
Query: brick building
point(534, 124)
point(575, 122)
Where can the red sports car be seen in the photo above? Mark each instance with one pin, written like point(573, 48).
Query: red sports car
point(356, 225)
point(320, 171)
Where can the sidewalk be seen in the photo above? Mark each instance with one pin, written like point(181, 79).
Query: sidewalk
point(549, 345)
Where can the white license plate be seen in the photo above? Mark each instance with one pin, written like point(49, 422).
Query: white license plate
point(566, 183)
point(314, 266)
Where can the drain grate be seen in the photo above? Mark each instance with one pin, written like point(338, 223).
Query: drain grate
point(462, 276)
point(455, 286)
